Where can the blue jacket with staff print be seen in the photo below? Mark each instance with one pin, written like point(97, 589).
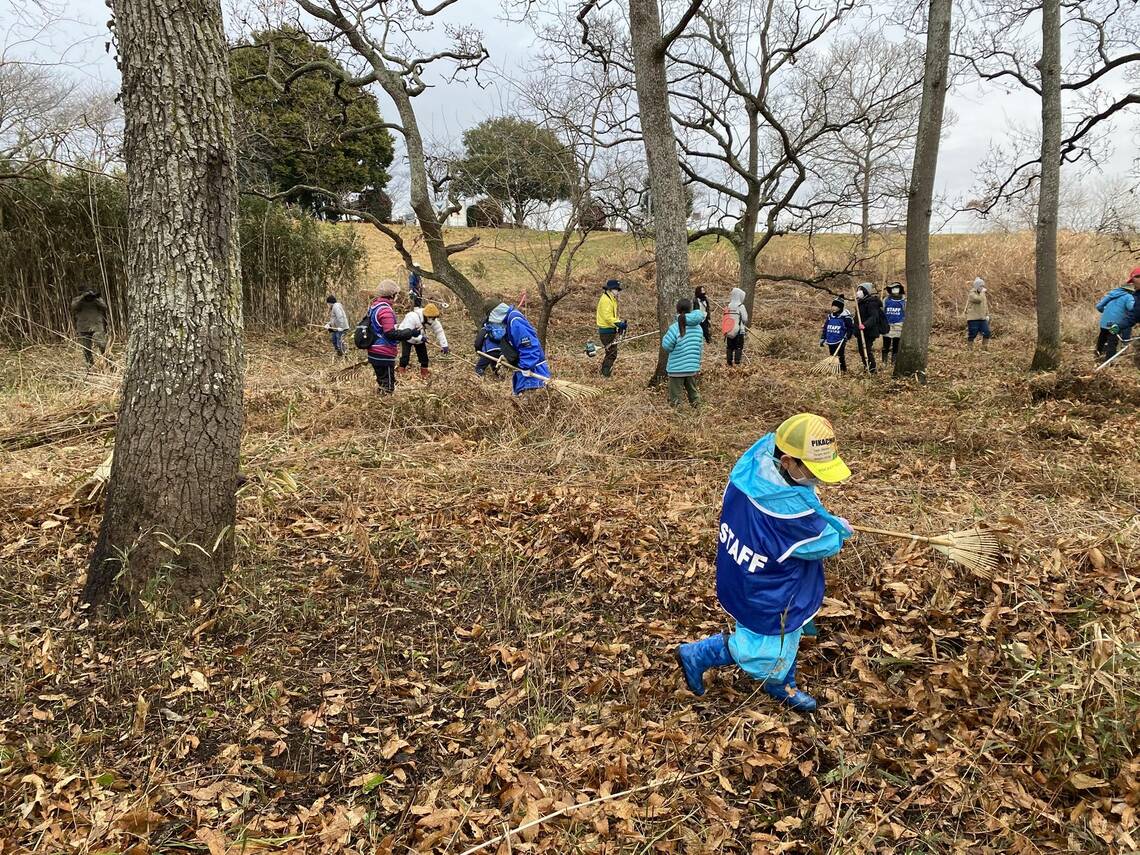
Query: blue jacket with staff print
point(772, 541)
point(510, 329)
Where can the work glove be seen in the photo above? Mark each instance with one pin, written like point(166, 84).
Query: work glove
point(445, 350)
point(621, 326)
point(850, 529)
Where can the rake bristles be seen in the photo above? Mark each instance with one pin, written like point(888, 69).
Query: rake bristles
point(828, 366)
point(573, 391)
point(975, 549)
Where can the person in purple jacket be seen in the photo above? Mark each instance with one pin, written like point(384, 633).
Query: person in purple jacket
point(773, 537)
point(382, 353)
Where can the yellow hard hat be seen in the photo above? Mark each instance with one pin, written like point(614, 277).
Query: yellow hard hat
point(811, 438)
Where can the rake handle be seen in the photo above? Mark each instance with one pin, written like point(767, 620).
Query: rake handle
point(934, 541)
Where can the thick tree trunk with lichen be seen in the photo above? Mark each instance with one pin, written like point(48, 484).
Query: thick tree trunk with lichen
point(667, 190)
point(914, 348)
point(1047, 355)
point(168, 524)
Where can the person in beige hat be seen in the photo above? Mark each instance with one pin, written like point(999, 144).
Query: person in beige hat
point(383, 335)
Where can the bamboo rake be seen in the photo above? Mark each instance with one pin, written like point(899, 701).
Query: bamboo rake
point(975, 548)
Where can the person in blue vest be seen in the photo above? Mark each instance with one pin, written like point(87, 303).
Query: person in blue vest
point(894, 310)
point(1116, 308)
point(509, 329)
point(838, 326)
point(774, 535)
point(415, 288)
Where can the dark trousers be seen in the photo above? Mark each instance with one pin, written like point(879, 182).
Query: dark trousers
point(1106, 343)
point(609, 341)
point(866, 350)
point(734, 349)
point(385, 368)
point(689, 386)
point(94, 343)
point(838, 350)
point(482, 362)
point(337, 337)
point(890, 349)
point(406, 353)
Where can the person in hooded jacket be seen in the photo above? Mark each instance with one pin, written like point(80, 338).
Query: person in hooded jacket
point(518, 341)
point(487, 350)
point(735, 324)
point(894, 310)
point(870, 324)
point(337, 326)
point(610, 324)
point(1117, 311)
point(684, 341)
point(838, 326)
point(90, 313)
point(978, 314)
point(773, 537)
point(701, 303)
point(382, 319)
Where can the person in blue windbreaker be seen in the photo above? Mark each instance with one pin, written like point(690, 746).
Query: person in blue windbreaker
point(509, 329)
point(894, 310)
point(684, 341)
point(774, 534)
point(838, 326)
point(1117, 309)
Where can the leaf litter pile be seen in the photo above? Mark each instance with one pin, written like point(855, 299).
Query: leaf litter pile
point(454, 617)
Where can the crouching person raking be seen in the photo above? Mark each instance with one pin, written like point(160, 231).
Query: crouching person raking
point(774, 535)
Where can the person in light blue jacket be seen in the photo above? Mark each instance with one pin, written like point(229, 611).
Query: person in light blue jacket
point(685, 343)
point(773, 537)
point(1116, 308)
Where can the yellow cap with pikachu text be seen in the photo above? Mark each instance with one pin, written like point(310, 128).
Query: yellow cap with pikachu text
point(811, 439)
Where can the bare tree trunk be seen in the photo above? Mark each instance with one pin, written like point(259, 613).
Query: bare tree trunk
point(1047, 355)
point(169, 517)
point(865, 200)
point(914, 348)
point(430, 223)
point(666, 187)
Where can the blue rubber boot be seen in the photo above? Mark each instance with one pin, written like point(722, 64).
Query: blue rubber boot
point(789, 695)
point(696, 657)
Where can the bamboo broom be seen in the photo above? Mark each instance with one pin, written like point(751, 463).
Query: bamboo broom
point(974, 548)
point(568, 390)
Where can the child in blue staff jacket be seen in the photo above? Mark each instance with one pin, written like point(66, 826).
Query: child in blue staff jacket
point(774, 535)
point(837, 328)
point(894, 310)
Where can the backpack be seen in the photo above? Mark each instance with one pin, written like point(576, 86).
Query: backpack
point(364, 336)
point(730, 323)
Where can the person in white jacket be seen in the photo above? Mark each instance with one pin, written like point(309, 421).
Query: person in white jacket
point(337, 326)
point(733, 326)
point(419, 319)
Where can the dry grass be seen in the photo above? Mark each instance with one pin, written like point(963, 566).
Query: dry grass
point(452, 615)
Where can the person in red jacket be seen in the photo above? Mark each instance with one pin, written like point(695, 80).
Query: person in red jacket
point(382, 354)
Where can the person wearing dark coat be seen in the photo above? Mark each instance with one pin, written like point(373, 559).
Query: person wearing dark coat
point(701, 302)
point(870, 324)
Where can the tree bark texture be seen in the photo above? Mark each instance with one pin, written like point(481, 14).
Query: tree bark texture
point(169, 516)
point(914, 348)
point(1047, 355)
point(667, 190)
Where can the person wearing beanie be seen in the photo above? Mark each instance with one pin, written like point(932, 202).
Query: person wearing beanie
point(871, 324)
point(382, 320)
point(685, 343)
point(1117, 314)
point(894, 310)
point(610, 324)
point(838, 326)
point(773, 537)
point(337, 326)
point(734, 324)
point(419, 318)
point(701, 303)
point(978, 314)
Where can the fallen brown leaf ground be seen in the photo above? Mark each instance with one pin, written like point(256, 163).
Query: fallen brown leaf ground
point(452, 616)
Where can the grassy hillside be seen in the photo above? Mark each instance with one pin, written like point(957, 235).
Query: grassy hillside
point(453, 614)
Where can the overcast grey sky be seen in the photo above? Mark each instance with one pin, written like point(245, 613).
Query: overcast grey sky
point(985, 114)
